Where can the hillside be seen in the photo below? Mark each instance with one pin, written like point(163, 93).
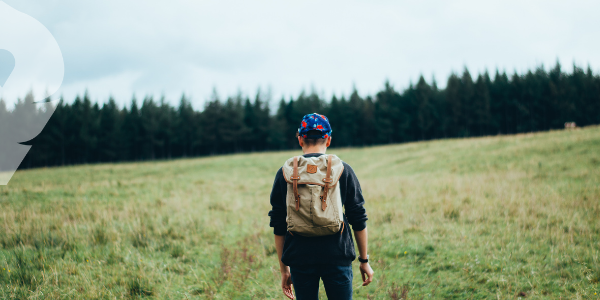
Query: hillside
point(494, 217)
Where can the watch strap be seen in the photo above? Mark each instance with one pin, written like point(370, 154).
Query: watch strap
point(363, 260)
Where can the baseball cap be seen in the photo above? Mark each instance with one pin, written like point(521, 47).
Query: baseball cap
point(315, 122)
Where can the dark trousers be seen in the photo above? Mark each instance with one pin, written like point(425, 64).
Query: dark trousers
point(336, 279)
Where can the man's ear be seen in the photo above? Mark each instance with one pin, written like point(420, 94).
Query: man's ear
point(301, 142)
point(328, 142)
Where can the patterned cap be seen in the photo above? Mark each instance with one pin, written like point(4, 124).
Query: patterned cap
point(317, 122)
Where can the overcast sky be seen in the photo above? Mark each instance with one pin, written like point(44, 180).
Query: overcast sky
point(117, 47)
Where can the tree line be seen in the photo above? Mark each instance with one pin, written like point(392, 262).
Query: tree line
point(86, 132)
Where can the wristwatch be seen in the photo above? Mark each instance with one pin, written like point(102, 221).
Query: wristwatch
point(363, 260)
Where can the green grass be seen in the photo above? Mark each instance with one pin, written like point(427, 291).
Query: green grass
point(486, 218)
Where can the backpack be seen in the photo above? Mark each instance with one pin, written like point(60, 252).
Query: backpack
point(314, 202)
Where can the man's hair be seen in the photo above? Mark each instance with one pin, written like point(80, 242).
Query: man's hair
point(312, 142)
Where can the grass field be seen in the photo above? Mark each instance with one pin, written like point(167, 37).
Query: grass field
point(488, 218)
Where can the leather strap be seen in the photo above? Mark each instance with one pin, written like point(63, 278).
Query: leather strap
point(327, 181)
point(295, 179)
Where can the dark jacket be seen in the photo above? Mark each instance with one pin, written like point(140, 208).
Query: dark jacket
point(336, 249)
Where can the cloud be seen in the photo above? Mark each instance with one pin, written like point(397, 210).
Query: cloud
point(170, 47)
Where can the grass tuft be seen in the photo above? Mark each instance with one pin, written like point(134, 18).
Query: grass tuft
point(139, 287)
point(177, 251)
point(99, 236)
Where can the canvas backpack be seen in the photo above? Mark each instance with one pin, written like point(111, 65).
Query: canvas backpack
point(314, 202)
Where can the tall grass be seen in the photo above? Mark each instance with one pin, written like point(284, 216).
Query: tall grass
point(494, 218)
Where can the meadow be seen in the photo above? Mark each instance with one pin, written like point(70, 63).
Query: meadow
point(501, 217)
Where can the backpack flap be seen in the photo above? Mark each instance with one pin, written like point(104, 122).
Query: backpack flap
point(324, 170)
point(313, 170)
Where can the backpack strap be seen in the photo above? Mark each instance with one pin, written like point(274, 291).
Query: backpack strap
point(327, 181)
point(295, 179)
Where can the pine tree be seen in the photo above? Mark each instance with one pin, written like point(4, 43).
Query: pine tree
point(132, 138)
point(481, 103)
point(386, 115)
point(355, 119)
point(454, 106)
point(262, 123)
point(467, 92)
point(149, 128)
point(279, 129)
point(167, 128)
point(110, 128)
point(186, 128)
point(231, 126)
point(424, 109)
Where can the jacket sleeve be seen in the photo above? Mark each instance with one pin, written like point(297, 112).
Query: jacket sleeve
point(278, 212)
point(355, 212)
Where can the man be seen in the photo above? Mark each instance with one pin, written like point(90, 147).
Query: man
point(304, 260)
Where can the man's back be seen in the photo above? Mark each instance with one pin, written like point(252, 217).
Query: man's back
point(335, 249)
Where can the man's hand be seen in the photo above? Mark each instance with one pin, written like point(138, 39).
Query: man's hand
point(286, 284)
point(286, 277)
point(367, 273)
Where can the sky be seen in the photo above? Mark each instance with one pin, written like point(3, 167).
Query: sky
point(166, 48)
